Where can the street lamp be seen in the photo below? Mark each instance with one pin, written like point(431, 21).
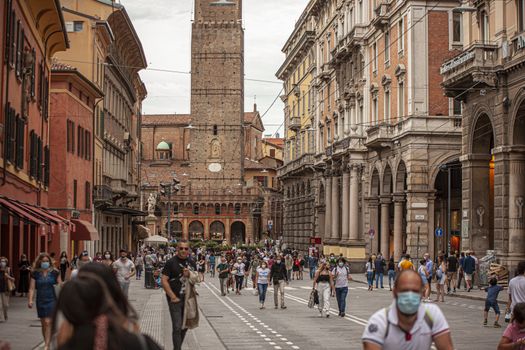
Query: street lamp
point(167, 190)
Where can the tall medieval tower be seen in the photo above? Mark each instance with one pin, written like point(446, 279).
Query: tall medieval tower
point(217, 94)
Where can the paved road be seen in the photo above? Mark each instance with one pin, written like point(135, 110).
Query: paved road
point(241, 325)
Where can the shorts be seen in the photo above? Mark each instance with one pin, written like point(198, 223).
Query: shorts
point(451, 274)
point(492, 304)
point(468, 276)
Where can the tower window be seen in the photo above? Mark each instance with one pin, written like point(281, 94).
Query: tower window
point(215, 130)
point(237, 209)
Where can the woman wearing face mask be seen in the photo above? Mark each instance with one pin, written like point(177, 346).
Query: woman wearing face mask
point(24, 268)
point(324, 283)
point(64, 265)
point(44, 278)
point(261, 277)
point(5, 281)
point(108, 258)
point(139, 265)
point(239, 275)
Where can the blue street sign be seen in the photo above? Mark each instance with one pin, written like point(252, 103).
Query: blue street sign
point(439, 232)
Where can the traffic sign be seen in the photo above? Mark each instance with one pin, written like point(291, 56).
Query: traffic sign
point(270, 222)
point(439, 232)
point(372, 233)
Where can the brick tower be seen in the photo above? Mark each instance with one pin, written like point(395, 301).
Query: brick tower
point(217, 94)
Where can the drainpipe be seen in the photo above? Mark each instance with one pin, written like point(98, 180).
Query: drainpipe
point(6, 64)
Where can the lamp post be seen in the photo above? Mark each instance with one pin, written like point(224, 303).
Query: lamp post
point(167, 190)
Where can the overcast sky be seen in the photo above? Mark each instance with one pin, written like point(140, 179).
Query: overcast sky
point(164, 27)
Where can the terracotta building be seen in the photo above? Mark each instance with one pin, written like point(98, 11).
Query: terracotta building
point(102, 31)
point(27, 225)
point(72, 102)
point(487, 76)
point(387, 139)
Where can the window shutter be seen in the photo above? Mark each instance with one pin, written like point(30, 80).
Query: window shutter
point(32, 164)
point(8, 33)
point(73, 137)
point(46, 166)
point(39, 159)
point(20, 138)
point(12, 43)
point(10, 133)
point(19, 40)
point(33, 73)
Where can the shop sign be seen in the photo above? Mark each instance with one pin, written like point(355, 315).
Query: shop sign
point(457, 61)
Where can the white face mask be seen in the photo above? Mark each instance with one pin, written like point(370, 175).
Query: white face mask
point(107, 256)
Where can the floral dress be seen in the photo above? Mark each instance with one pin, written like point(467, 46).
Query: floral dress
point(45, 292)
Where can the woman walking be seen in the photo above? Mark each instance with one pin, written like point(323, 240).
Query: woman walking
point(441, 277)
point(391, 272)
point(324, 283)
point(238, 268)
point(422, 270)
point(370, 273)
point(201, 267)
point(108, 258)
point(43, 279)
point(7, 283)
point(24, 268)
point(64, 265)
point(139, 265)
point(262, 282)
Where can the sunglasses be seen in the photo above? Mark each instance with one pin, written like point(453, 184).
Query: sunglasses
point(184, 248)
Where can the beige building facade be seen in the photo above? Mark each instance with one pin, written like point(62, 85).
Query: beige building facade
point(487, 76)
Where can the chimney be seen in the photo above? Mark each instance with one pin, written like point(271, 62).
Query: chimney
point(255, 107)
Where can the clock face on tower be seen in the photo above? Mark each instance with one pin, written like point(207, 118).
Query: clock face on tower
point(223, 2)
point(215, 167)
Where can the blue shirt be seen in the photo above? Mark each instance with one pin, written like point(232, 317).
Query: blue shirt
point(492, 293)
point(212, 259)
point(428, 265)
point(469, 265)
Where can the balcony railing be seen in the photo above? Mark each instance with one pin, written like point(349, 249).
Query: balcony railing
point(295, 123)
point(102, 193)
point(304, 160)
point(378, 135)
point(119, 186)
point(381, 15)
point(475, 66)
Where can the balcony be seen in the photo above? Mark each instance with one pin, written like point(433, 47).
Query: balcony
point(295, 123)
point(476, 66)
point(380, 135)
point(380, 19)
point(102, 193)
point(306, 159)
point(119, 186)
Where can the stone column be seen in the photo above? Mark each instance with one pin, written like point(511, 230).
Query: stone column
point(385, 225)
point(374, 223)
point(228, 231)
point(335, 208)
point(347, 120)
point(353, 117)
point(328, 207)
point(517, 205)
point(398, 226)
point(345, 234)
point(354, 203)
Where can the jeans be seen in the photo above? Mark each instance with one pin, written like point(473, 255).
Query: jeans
point(370, 278)
point(312, 272)
point(178, 334)
point(323, 289)
point(4, 301)
point(289, 274)
point(391, 277)
point(238, 282)
point(379, 277)
point(139, 272)
point(278, 289)
point(223, 281)
point(212, 270)
point(262, 288)
point(340, 294)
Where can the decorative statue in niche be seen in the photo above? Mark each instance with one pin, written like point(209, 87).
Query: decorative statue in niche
point(480, 211)
point(215, 149)
point(152, 201)
point(519, 203)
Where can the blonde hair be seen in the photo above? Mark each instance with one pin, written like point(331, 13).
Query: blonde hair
point(38, 261)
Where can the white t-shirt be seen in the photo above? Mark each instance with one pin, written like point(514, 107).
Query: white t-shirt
point(421, 334)
point(240, 268)
point(341, 276)
point(517, 290)
point(263, 275)
point(123, 269)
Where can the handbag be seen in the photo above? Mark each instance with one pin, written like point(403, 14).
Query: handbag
point(11, 287)
point(314, 298)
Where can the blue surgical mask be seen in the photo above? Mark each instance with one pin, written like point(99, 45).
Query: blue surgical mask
point(408, 302)
point(44, 265)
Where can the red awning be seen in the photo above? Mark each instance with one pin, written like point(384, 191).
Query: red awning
point(21, 211)
point(45, 214)
point(84, 231)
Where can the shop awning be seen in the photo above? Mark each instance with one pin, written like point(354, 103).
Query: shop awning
point(125, 211)
point(21, 211)
point(142, 232)
point(84, 231)
point(44, 214)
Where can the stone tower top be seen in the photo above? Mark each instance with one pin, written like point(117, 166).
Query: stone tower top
point(218, 10)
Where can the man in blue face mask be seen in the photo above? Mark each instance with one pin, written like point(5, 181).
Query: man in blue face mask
point(407, 324)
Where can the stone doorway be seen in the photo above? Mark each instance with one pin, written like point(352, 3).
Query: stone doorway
point(238, 230)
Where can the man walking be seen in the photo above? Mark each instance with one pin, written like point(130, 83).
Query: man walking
point(379, 269)
point(224, 272)
point(177, 273)
point(429, 264)
point(124, 270)
point(407, 323)
point(279, 277)
point(452, 271)
point(469, 267)
point(517, 288)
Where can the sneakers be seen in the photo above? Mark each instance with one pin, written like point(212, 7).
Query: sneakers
point(497, 325)
point(283, 307)
point(485, 322)
point(276, 307)
point(342, 314)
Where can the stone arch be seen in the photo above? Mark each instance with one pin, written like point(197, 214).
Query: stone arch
point(374, 183)
point(386, 184)
point(400, 184)
point(447, 158)
point(196, 230)
point(238, 232)
point(217, 230)
point(482, 133)
point(321, 193)
point(517, 131)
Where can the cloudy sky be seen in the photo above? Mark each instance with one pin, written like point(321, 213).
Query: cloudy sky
point(164, 27)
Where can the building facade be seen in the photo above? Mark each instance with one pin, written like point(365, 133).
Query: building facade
point(386, 160)
point(28, 226)
point(116, 58)
point(487, 77)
